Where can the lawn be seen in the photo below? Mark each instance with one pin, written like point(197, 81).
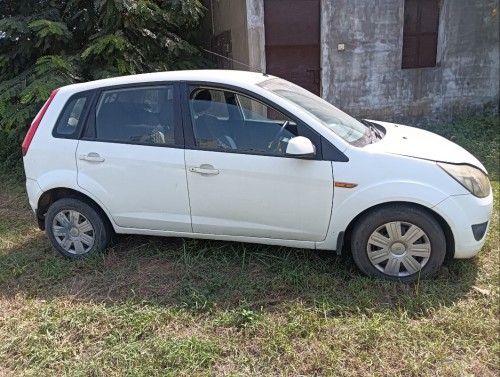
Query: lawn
point(172, 307)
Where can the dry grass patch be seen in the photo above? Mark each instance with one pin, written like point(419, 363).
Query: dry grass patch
point(170, 307)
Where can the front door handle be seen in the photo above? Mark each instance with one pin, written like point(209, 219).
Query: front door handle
point(204, 169)
point(91, 157)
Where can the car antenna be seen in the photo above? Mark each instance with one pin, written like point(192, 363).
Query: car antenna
point(236, 61)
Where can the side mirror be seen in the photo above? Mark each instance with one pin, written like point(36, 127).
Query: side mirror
point(300, 146)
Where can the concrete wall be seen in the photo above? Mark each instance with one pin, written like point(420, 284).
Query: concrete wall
point(223, 15)
point(256, 35)
point(367, 80)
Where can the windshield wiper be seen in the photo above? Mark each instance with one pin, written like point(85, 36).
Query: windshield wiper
point(375, 133)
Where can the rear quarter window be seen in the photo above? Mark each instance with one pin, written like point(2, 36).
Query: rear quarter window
point(70, 121)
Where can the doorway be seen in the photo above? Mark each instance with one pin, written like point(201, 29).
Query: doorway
point(292, 41)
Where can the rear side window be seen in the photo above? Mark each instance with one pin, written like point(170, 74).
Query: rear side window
point(142, 115)
point(71, 119)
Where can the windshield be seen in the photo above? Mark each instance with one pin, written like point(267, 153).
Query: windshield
point(343, 125)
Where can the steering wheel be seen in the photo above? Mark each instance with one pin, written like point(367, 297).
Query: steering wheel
point(273, 145)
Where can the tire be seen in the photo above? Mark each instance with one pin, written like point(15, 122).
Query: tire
point(76, 229)
point(399, 243)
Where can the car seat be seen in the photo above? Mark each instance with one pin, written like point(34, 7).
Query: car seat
point(208, 130)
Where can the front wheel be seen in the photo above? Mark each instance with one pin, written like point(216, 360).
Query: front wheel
point(398, 242)
point(76, 229)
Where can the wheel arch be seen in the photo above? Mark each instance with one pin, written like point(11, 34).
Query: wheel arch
point(54, 194)
point(450, 239)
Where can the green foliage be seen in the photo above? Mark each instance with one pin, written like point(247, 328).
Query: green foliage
point(479, 134)
point(49, 34)
point(10, 155)
point(45, 44)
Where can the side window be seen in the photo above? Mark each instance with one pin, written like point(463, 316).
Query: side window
point(70, 121)
point(254, 110)
point(137, 115)
point(225, 120)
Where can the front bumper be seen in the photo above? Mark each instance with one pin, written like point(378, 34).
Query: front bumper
point(464, 213)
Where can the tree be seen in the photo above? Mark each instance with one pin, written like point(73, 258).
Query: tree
point(45, 44)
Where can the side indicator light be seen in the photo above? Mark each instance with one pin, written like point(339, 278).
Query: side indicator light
point(345, 185)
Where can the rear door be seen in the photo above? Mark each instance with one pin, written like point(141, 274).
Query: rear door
point(131, 158)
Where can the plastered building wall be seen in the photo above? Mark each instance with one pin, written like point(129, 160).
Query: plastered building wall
point(366, 78)
point(224, 15)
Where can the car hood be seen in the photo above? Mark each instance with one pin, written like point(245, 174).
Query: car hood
point(414, 142)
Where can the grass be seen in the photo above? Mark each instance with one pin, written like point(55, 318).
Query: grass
point(480, 135)
point(172, 307)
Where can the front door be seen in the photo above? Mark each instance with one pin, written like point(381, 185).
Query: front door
point(293, 41)
point(241, 183)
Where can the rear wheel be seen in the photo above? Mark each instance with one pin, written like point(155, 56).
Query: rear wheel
point(76, 229)
point(398, 242)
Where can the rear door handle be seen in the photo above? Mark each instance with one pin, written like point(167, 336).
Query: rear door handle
point(205, 169)
point(91, 157)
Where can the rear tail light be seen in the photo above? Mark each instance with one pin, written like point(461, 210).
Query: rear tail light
point(36, 123)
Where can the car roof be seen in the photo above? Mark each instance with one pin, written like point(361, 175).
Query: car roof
point(230, 77)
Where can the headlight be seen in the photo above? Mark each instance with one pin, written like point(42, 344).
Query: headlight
point(470, 177)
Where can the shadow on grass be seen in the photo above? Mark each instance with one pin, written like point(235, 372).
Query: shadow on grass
point(204, 275)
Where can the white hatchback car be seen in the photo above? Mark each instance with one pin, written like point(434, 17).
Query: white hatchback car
point(248, 157)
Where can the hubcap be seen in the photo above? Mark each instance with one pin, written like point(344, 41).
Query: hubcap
point(73, 231)
point(399, 248)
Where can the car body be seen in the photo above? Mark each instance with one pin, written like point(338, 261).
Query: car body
point(249, 157)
